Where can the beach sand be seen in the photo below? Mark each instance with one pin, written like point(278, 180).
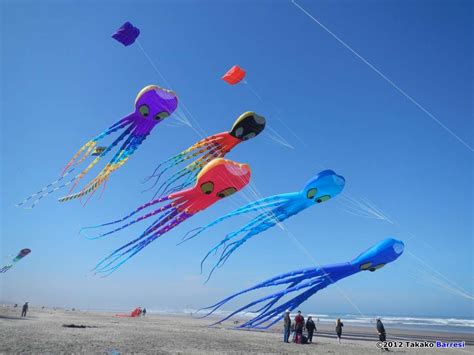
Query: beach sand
point(43, 332)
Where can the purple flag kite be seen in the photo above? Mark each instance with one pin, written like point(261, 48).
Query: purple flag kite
point(126, 34)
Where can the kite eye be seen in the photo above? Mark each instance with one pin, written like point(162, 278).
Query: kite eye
point(376, 267)
point(311, 193)
point(238, 132)
point(323, 198)
point(207, 187)
point(144, 110)
point(249, 136)
point(161, 115)
point(226, 192)
point(365, 266)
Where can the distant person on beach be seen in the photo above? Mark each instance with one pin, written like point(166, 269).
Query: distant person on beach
point(24, 309)
point(286, 326)
point(381, 331)
point(144, 312)
point(310, 327)
point(299, 325)
point(339, 326)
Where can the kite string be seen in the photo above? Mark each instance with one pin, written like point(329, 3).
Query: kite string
point(275, 136)
point(201, 131)
point(395, 86)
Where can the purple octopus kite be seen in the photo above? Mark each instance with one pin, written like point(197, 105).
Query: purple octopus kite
point(152, 105)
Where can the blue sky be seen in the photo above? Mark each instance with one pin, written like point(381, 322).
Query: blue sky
point(64, 80)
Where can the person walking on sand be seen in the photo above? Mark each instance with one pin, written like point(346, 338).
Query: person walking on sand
point(286, 326)
point(144, 312)
point(339, 326)
point(299, 325)
point(381, 331)
point(310, 327)
point(24, 309)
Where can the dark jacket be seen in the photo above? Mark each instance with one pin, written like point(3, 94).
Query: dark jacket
point(339, 328)
point(287, 320)
point(380, 327)
point(310, 326)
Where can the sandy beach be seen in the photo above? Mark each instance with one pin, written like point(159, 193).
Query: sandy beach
point(43, 332)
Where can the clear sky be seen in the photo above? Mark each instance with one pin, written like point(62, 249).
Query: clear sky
point(64, 80)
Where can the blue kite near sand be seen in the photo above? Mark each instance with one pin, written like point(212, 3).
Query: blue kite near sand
point(310, 280)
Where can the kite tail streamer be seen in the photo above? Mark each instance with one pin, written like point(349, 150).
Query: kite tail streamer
point(211, 152)
point(269, 202)
point(5, 268)
point(88, 148)
point(92, 143)
point(109, 148)
point(127, 149)
point(48, 189)
point(291, 277)
point(200, 147)
point(113, 261)
point(142, 207)
point(259, 224)
point(141, 218)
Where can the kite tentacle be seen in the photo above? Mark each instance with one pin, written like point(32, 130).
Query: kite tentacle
point(48, 189)
point(92, 143)
point(139, 219)
point(288, 305)
point(142, 207)
point(127, 149)
point(269, 202)
point(138, 244)
point(229, 236)
point(196, 149)
point(188, 170)
point(109, 148)
point(269, 220)
point(291, 277)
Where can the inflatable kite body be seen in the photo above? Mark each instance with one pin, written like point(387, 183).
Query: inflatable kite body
point(219, 179)
point(21, 255)
point(152, 105)
point(126, 34)
point(308, 281)
point(272, 210)
point(247, 126)
point(234, 76)
point(135, 313)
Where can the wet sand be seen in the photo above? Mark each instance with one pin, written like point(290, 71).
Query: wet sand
point(43, 332)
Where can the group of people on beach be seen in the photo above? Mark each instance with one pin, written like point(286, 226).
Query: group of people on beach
point(296, 328)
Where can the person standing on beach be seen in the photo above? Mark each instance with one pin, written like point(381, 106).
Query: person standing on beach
point(339, 326)
point(24, 309)
point(381, 331)
point(144, 312)
point(286, 326)
point(299, 325)
point(310, 327)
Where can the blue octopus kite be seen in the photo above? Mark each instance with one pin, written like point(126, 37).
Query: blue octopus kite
point(310, 280)
point(271, 211)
